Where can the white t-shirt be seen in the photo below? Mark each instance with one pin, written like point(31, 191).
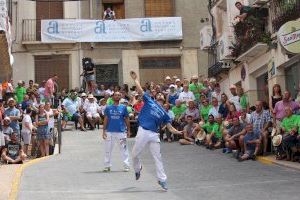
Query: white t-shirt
point(51, 118)
point(91, 107)
point(26, 119)
point(9, 88)
point(186, 96)
point(247, 119)
point(236, 101)
point(2, 140)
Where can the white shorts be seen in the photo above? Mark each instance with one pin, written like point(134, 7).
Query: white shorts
point(26, 137)
point(91, 115)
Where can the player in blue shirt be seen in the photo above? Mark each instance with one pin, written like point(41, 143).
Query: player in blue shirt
point(116, 119)
point(151, 117)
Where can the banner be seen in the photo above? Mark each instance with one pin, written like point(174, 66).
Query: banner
point(127, 30)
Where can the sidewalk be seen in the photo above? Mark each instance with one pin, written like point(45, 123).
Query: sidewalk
point(272, 160)
point(7, 174)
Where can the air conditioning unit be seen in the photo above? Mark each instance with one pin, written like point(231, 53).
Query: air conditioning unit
point(224, 51)
point(205, 37)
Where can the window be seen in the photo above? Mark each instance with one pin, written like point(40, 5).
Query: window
point(117, 6)
point(159, 8)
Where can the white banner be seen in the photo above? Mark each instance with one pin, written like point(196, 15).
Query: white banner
point(127, 30)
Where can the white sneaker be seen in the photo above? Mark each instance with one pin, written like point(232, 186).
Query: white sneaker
point(126, 169)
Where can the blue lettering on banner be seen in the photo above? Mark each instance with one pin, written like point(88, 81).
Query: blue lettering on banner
point(100, 27)
point(146, 25)
point(53, 27)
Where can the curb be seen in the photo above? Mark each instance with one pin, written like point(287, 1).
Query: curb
point(287, 164)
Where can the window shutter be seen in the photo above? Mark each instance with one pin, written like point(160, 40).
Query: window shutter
point(159, 8)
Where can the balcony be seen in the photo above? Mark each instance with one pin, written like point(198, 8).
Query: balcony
point(252, 37)
point(283, 11)
point(218, 68)
point(31, 30)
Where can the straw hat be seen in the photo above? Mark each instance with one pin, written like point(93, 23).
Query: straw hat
point(201, 135)
point(274, 131)
point(276, 140)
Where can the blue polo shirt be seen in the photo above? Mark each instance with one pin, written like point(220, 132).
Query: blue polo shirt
point(116, 118)
point(152, 115)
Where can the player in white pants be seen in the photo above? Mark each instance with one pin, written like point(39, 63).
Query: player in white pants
point(151, 117)
point(116, 119)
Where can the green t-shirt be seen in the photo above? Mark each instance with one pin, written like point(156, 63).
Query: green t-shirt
point(288, 123)
point(20, 93)
point(217, 129)
point(110, 101)
point(129, 109)
point(209, 127)
point(298, 123)
point(204, 112)
point(244, 102)
point(196, 89)
point(178, 110)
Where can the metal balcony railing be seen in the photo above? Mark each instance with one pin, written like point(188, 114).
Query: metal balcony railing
point(31, 30)
point(218, 68)
point(282, 11)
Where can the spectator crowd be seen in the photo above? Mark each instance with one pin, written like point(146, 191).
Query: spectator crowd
point(206, 116)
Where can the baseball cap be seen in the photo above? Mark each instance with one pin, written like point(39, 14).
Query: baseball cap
point(168, 78)
point(172, 86)
point(177, 80)
point(83, 95)
point(232, 86)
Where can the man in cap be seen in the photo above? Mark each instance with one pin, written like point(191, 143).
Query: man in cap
point(235, 99)
point(20, 92)
point(151, 118)
point(172, 95)
point(116, 120)
point(92, 111)
point(14, 115)
point(196, 88)
point(178, 86)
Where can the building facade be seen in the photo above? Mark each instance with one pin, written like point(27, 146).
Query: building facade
point(252, 55)
point(153, 60)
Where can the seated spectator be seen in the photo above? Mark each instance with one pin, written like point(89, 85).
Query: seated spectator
point(232, 112)
point(100, 91)
point(109, 14)
point(223, 109)
point(245, 117)
point(216, 136)
point(185, 96)
point(189, 132)
point(205, 110)
point(172, 117)
point(138, 105)
point(178, 109)
point(235, 136)
point(129, 108)
point(214, 110)
point(190, 111)
point(172, 96)
point(71, 110)
point(209, 126)
point(289, 131)
point(13, 152)
point(217, 93)
point(261, 121)
point(252, 142)
point(92, 111)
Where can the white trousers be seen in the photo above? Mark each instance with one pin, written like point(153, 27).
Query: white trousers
point(143, 138)
point(109, 145)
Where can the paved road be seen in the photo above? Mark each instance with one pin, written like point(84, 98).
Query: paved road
point(194, 173)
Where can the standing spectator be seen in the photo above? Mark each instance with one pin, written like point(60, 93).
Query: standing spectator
point(196, 88)
point(276, 96)
point(244, 103)
point(205, 110)
point(27, 128)
point(223, 109)
point(51, 113)
point(189, 132)
point(41, 91)
point(13, 153)
point(30, 88)
point(50, 88)
point(109, 14)
point(43, 135)
point(215, 107)
point(139, 104)
point(251, 143)
point(279, 109)
point(185, 96)
point(92, 111)
point(25, 103)
point(110, 90)
point(172, 95)
point(235, 99)
point(178, 109)
point(14, 115)
point(9, 90)
point(217, 93)
point(1, 91)
point(20, 92)
point(261, 121)
point(178, 86)
point(166, 86)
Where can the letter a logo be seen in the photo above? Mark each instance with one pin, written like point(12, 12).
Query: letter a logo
point(53, 27)
point(100, 27)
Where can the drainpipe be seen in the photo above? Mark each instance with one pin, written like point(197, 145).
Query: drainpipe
point(80, 55)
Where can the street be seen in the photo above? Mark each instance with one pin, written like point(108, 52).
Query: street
point(193, 173)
